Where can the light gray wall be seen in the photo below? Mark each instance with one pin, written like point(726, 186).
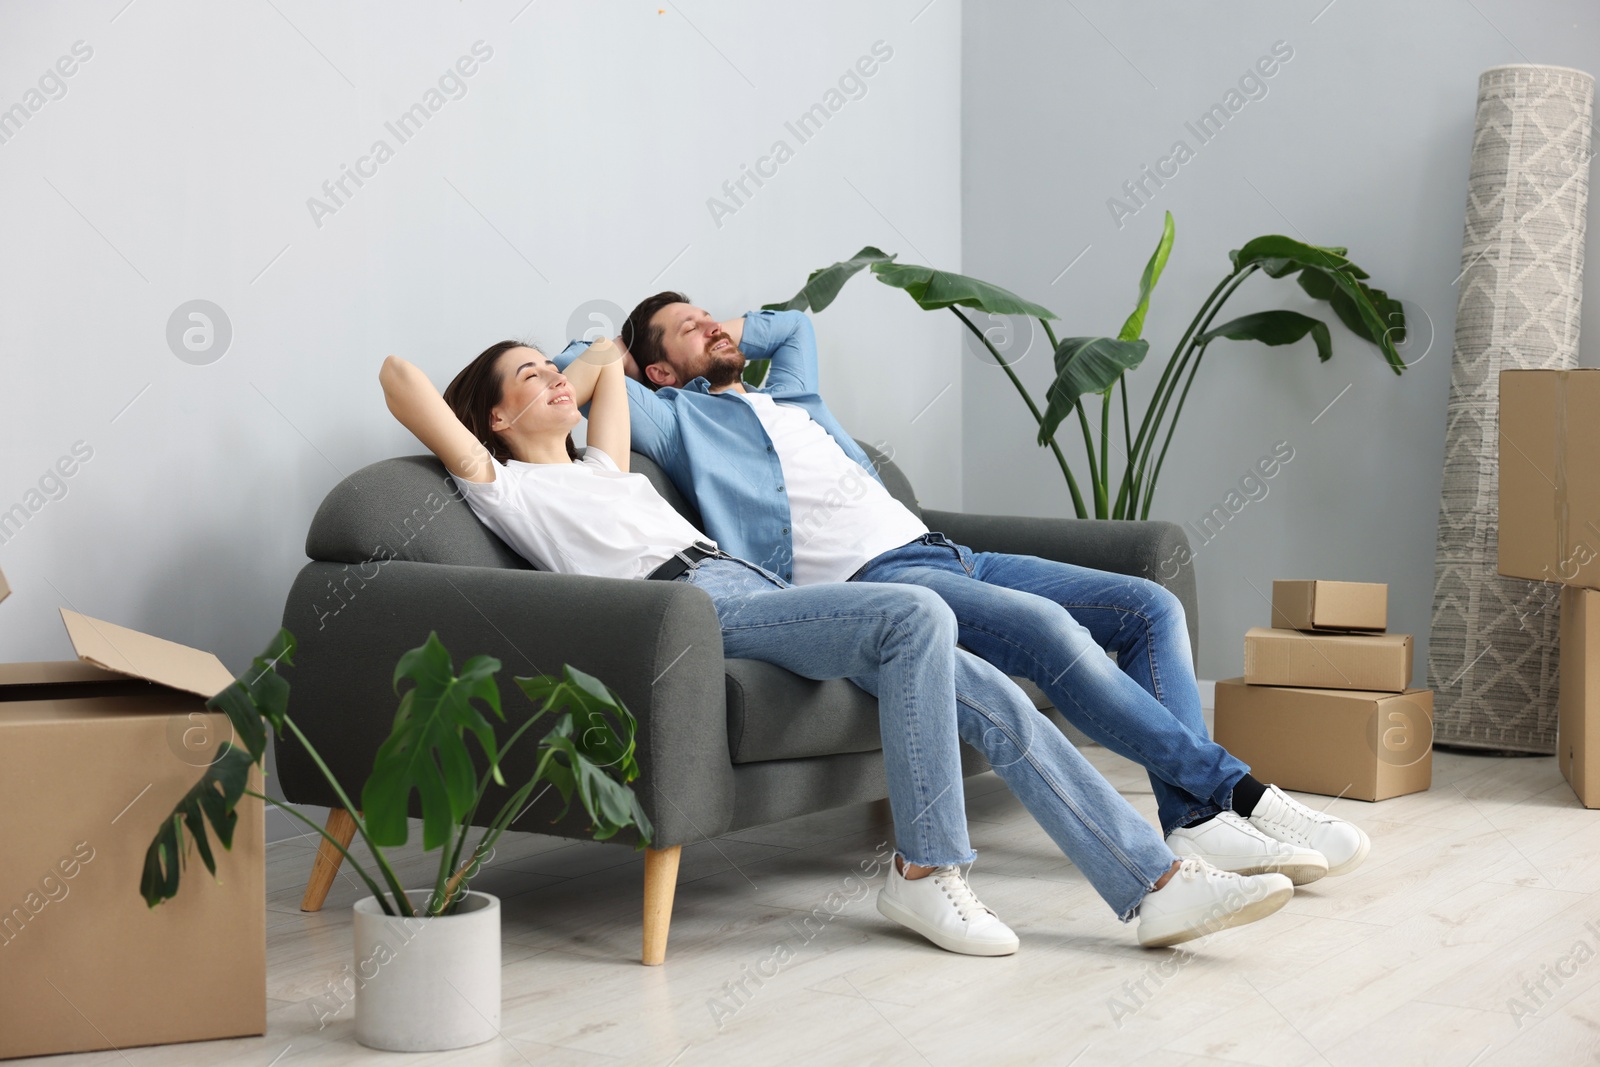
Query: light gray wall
point(1362, 139)
point(577, 167)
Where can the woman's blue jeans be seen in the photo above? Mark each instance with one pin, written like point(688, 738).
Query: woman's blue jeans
point(1053, 623)
point(898, 643)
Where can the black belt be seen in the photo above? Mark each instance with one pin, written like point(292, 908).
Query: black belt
point(675, 567)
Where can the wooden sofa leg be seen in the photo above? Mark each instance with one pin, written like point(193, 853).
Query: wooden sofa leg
point(660, 883)
point(325, 868)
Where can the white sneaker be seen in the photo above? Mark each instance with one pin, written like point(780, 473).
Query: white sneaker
point(1200, 900)
point(1229, 843)
point(943, 908)
point(1280, 816)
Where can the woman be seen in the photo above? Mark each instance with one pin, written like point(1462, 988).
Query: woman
point(503, 430)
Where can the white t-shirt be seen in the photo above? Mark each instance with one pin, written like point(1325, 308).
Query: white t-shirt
point(586, 517)
point(840, 515)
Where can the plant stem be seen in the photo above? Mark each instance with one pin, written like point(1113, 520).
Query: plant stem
point(1150, 491)
point(1144, 424)
point(1103, 483)
point(401, 900)
point(444, 887)
point(1169, 376)
point(1072, 483)
point(377, 890)
point(1119, 511)
point(1197, 330)
point(1094, 472)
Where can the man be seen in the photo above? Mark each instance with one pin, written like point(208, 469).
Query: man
point(777, 480)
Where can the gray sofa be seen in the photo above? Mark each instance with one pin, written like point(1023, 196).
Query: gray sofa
point(722, 745)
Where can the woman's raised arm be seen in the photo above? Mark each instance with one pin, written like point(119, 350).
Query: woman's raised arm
point(597, 378)
point(414, 400)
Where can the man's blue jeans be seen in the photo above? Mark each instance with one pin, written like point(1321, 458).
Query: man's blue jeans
point(1053, 624)
point(898, 643)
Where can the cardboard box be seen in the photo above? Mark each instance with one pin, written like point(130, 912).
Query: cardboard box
point(1336, 742)
point(1379, 662)
point(1549, 477)
point(5, 590)
point(1578, 716)
point(1320, 605)
point(93, 756)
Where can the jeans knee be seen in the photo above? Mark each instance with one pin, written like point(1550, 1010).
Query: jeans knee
point(1159, 603)
point(924, 611)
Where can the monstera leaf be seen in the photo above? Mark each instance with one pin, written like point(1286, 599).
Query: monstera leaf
point(258, 697)
point(592, 750)
point(212, 799)
point(426, 751)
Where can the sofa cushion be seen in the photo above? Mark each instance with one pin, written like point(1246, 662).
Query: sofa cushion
point(773, 715)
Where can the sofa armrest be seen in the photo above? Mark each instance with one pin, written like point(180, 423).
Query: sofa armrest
point(657, 644)
point(1158, 551)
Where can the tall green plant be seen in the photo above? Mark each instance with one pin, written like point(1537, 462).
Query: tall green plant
point(1089, 367)
point(588, 753)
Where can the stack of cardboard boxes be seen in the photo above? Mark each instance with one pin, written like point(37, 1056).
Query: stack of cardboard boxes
point(94, 753)
point(1550, 532)
point(1325, 704)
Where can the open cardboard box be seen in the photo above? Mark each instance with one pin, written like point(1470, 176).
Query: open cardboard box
point(93, 756)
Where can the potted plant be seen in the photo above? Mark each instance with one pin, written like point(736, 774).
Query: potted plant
point(1096, 366)
point(427, 961)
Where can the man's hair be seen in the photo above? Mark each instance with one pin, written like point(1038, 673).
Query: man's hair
point(476, 391)
point(644, 340)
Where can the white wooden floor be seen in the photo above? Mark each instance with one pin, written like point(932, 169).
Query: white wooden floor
point(1484, 884)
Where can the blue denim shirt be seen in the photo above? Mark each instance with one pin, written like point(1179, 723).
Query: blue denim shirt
point(715, 450)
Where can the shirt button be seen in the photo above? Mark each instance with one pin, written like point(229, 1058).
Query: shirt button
point(780, 488)
point(784, 530)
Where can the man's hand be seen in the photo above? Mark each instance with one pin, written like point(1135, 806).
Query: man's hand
point(734, 328)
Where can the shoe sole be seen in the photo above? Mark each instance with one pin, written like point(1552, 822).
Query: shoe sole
point(892, 910)
point(1354, 861)
point(1189, 930)
point(1298, 873)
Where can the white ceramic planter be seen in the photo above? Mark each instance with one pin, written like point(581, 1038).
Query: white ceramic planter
point(426, 984)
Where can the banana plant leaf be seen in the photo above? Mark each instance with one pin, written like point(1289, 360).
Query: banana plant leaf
point(1086, 365)
point(823, 284)
point(1275, 328)
point(427, 749)
point(934, 289)
point(1325, 274)
point(1133, 329)
point(212, 799)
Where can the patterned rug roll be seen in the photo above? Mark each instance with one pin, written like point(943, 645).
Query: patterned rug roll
point(1492, 655)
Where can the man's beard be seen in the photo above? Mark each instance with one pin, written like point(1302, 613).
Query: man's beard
point(724, 368)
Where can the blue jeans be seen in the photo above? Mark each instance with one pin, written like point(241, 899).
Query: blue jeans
point(898, 642)
point(1053, 624)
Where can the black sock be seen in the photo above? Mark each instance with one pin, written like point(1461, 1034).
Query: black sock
point(1247, 793)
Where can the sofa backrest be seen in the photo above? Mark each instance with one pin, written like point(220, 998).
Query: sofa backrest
point(409, 508)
